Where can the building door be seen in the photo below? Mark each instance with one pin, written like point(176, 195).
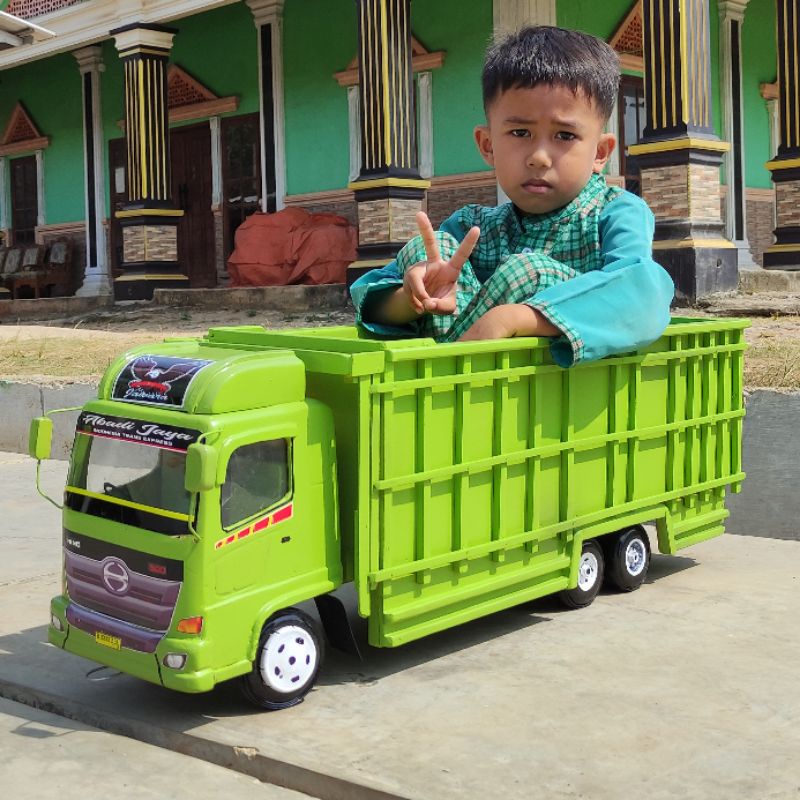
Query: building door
point(190, 150)
point(24, 199)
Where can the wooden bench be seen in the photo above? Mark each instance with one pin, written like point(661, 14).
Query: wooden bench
point(48, 273)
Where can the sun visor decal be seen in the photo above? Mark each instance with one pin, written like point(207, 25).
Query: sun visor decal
point(157, 380)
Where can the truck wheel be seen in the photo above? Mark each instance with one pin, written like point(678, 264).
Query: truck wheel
point(287, 661)
point(590, 577)
point(628, 559)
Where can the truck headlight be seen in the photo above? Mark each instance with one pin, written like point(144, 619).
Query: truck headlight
point(174, 660)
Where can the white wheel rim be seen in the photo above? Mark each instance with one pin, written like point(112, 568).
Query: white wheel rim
point(587, 571)
point(288, 659)
point(635, 557)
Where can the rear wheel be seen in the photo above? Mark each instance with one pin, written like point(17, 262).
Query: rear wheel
point(590, 577)
point(628, 558)
point(287, 661)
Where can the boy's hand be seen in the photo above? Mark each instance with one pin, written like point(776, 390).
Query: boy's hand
point(506, 321)
point(431, 285)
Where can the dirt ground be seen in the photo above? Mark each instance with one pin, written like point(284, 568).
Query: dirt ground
point(79, 349)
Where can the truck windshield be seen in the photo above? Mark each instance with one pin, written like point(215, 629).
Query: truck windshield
point(132, 482)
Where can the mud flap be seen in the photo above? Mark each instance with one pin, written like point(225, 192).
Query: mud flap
point(337, 626)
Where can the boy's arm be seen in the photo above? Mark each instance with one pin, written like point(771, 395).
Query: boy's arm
point(382, 306)
point(620, 307)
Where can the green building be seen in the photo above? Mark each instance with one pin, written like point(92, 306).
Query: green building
point(145, 131)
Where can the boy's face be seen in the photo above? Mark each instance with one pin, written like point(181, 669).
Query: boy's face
point(544, 144)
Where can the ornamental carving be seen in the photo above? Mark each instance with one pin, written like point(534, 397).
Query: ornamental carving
point(37, 8)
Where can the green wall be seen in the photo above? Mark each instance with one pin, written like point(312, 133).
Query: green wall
point(457, 103)
point(51, 92)
point(758, 66)
point(320, 39)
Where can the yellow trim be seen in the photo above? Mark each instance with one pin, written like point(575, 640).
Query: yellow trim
point(684, 64)
point(130, 504)
point(149, 212)
point(407, 183)
point(783, 248)
point(672, 75)
point(142, 131)
point(663, 70)
point(371, 263)
point(785, 163)
point(676, 244)
point(787, 122)
point(153, 276)
point(687, 143)
point(387, 117)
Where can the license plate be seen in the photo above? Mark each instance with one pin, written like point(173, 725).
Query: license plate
point(113, 642)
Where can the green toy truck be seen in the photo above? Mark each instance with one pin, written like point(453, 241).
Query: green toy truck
point(216, 483)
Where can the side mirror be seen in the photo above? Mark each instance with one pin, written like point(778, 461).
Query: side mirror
point(40, 438)
point(201, 468)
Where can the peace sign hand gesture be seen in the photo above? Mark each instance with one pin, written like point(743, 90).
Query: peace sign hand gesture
point(430, 285)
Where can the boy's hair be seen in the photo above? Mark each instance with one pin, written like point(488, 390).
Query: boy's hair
point(553, 56)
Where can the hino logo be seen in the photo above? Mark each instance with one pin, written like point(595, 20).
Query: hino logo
point(116, 577)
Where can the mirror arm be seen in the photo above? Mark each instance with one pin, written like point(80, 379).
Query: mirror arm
point(41, 491)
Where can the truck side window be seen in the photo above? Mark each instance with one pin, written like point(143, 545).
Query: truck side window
point(256, 479)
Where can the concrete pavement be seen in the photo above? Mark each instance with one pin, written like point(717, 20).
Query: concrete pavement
point(47, 757)
point(686, 688)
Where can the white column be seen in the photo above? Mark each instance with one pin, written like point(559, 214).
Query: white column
point(510, 15)
point(41, 211)
point(4, 203)
point(425, 147)
point(612, 167)
point(96, 280)
point(270, 12)
point(216, 162)
point(774, 141)
point(731, 17)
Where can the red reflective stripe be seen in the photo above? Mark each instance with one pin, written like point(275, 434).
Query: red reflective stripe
point(218, 545)
point(230, 539)
point(261, 524)
point(282, 514)
point(244, 533)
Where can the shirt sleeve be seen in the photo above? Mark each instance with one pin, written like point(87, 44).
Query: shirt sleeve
point(620, 307)
point(368, 290)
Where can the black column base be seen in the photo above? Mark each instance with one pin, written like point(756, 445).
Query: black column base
point(787, 260)
point(699, 271)
point(139, 284)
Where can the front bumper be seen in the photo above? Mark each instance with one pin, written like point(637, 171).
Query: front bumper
point(145, 665)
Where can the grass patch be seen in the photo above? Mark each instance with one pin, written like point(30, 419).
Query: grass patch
point(773, 365)
point(64, 357)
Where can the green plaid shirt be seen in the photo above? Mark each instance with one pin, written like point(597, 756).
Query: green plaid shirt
point(588, 269)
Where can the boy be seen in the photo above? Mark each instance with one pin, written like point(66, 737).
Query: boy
point(569, 257)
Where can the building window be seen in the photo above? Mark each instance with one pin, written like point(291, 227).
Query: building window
point(632, 119)
point(241, 173)
point(24, 199)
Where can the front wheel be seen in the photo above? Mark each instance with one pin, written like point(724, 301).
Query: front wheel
point(590, 577)
point(287, 661)
point(628, 559)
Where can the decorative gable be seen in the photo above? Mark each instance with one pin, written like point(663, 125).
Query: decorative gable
point(36, 8)
point(421, 60)
point(628, 39)
point(187, 98)
point(21, 134)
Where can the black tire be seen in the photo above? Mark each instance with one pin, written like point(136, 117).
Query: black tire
point(590, 577)
point(288, 658)
point(628, 558)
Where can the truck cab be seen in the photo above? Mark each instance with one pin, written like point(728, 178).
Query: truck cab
point(200, 501)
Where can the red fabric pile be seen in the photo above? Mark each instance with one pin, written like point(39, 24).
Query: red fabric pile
point(290, 247)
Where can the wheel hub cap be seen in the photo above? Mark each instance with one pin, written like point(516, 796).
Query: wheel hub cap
point(635, 557)
point(587, 571)
point(288, 659)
